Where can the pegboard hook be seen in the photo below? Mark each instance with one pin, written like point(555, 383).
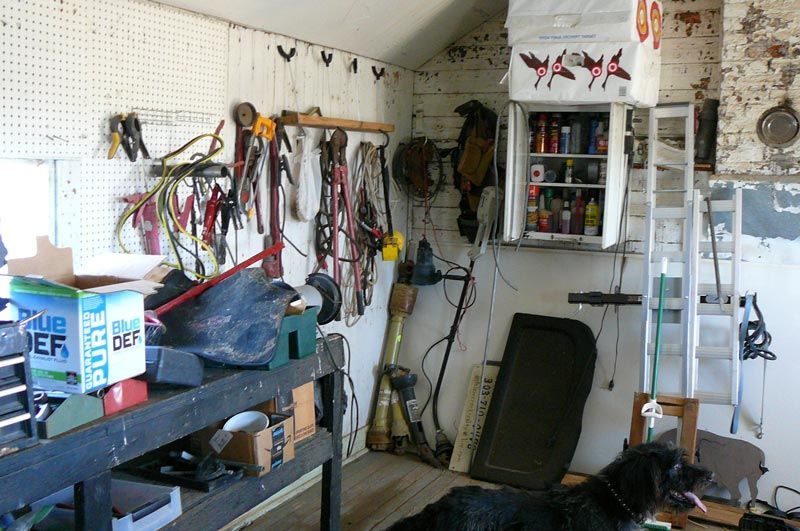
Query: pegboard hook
point(354, 66)
point(326, 58)
point(378, 73)
point(288, 56)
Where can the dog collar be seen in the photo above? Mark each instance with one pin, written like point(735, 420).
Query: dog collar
point(638, 519)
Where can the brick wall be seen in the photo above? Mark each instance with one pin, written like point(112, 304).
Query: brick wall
point(760, 67)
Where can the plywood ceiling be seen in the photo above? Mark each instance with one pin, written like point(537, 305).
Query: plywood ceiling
point(402, 32)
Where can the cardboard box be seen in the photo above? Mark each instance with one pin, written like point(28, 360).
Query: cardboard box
point(269, 448)
point(300, 404)
point(92, 335)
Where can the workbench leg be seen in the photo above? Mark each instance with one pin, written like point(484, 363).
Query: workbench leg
point(332, 469)
point(93, 503)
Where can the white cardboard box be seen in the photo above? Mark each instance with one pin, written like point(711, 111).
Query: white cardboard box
point(92, 334)
point(551, 21)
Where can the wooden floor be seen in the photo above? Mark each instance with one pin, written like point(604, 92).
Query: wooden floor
point(378, 489)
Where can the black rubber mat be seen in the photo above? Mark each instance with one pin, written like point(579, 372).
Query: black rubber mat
point(534, 420)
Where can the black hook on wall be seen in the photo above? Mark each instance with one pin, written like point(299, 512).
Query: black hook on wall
point(354, 65)
point(378, 73)
point(288, 56)
point(326, 58)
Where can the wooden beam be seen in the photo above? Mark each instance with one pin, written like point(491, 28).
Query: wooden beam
point(324, 122)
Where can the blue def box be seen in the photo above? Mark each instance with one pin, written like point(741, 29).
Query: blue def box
point(92, 333)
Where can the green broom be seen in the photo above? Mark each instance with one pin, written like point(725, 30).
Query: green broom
point(652, 410)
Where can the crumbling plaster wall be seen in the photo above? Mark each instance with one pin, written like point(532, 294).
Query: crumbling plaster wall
point(760, 67)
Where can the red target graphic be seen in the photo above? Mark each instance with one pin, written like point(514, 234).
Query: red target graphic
point(655, 22)
point(642, 26)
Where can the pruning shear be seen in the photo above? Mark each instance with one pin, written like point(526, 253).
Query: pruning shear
point(127, 132)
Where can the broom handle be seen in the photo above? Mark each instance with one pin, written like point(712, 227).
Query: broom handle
point(657, 354)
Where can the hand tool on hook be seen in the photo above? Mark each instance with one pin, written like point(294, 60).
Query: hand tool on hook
point(341, 185)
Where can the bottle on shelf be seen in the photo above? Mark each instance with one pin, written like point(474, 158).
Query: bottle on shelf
point(545, 216)
point(553, 133)
point(532, 219)
point(566, 218)
point(556, 205)
point(577, 214)
point(602, 138)
point(569, 172)
point(592, 220)
point(537, 170)
point(540, 138)
point(564, 140)
point(576, 140)
point(603, 170)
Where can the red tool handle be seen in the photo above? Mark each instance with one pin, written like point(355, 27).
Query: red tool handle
point(200, 288)
point(212, 208)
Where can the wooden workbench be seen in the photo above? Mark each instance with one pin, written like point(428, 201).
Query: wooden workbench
point(85, 456)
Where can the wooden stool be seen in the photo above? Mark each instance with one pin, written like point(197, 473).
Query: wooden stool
point(687, 410)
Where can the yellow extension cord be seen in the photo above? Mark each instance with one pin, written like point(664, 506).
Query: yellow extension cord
point(161, 186)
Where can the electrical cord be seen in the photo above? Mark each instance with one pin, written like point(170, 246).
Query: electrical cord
point(425, 374)
point(758, 340)
point(354, 409)
point(164, 191)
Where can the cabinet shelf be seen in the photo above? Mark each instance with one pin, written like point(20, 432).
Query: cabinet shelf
point(567, 156)
point(557, 236)
point(568, 185)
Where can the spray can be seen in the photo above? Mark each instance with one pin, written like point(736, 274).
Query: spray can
point(564, 141)
point(577, 214)
point(593, 125)
point(568, 173)
point(592, 222)
point(532, 214)
point(540, 138)
point(553, 134)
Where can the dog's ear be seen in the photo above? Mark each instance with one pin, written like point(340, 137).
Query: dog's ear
point(638, 477)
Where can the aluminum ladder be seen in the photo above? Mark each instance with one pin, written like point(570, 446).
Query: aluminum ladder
point(671, 201)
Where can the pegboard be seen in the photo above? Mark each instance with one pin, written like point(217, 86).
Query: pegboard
point(69, 66)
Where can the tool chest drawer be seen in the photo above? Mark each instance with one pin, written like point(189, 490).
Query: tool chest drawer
point(17, 423)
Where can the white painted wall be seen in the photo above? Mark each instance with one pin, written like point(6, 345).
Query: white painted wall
point(195, 69)
point(544, 278)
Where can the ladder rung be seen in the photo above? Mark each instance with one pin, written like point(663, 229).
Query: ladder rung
point(670, 191)
point(713, 353)
point(670, 303)
point(711, 289)
point(720, 205)
point(667, 349)
point(669, 213)
point(714, 309)
point(722, 247)
point(675, 257)
point(707, 353)
point(672, 164)
point(673, 110)
point(707, 397)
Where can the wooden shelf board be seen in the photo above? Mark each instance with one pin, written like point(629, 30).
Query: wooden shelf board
point(324, 122)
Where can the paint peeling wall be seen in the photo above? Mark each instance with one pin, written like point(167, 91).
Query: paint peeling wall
point(760, 67)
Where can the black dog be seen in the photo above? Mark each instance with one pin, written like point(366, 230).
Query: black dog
point(640, 481)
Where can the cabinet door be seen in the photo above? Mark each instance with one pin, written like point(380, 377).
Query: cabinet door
point(616, 176)
point(517, 169)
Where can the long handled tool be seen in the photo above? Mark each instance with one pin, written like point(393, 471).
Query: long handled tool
point(341, 185)
point(652, 410)
point(392, 242)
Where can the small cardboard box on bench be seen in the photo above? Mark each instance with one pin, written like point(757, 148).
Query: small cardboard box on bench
point(269, 448)
point(92, 334)
point(300, 404)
